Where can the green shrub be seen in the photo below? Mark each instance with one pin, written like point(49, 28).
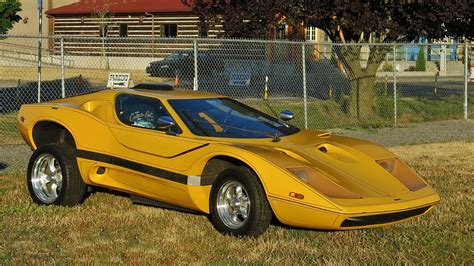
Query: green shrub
point(421, 60)
point(387, 67)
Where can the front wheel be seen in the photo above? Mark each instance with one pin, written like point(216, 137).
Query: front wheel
point(238, 203)
point(53, 176)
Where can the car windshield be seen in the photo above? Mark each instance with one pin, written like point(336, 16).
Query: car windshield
point(176, 56)
point(227, 118)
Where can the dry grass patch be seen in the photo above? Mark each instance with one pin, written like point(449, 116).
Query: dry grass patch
point(108, 228)
point(95, 76)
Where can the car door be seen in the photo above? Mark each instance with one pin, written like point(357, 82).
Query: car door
point(150, 147)
point(138, 128)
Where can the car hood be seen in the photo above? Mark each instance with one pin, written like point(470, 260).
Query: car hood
point(348, 162)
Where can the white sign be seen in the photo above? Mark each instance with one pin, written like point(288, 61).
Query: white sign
point(118, 80)
point(239, 79)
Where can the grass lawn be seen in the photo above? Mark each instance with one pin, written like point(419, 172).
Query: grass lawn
point(429, 109)
point(108, 228)
point(326, 114)
point(8, 130)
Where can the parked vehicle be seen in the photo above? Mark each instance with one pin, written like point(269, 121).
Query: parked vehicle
point(181, 63)
point(206, 153)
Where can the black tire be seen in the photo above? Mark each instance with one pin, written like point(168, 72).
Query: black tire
point(259, 214)
point(72, 188)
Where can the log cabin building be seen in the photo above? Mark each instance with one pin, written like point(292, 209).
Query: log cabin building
point(140, 27)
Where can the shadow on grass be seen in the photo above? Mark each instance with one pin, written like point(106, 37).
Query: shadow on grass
point(156, 204)
point(3, 166)
point(142, 200)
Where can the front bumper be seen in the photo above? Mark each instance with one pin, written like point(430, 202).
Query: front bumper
point(354, 217)
point(381, 219)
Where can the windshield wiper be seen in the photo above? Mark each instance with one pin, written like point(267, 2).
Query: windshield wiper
point(196, 124)
point(275, 137)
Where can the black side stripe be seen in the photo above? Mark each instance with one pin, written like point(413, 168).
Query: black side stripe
point(142, 168)
point(190, 150)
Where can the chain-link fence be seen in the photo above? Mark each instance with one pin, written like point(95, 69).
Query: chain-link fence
point(325, 85)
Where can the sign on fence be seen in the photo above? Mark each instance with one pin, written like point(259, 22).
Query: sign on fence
point(118, 80)
point(239, 79)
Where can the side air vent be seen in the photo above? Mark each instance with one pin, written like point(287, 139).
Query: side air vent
point(154, 86)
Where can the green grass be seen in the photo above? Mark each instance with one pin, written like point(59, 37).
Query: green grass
point(8, 130)
point(321, 114)
point(108, 228)
point(428, 109)
point(325, 114)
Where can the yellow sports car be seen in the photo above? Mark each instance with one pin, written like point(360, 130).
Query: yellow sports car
point(206, 153)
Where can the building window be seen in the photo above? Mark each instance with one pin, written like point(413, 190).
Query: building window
point(169, 30)
point(103, 30)
point(123, 30)
point(281, 31)
point(312, 34)
point(203, 30)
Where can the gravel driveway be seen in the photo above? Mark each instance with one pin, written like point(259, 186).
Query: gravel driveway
point(16, 156)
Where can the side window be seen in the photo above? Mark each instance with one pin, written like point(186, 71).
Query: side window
point(123, 30)
point(140, 111)
point(169, 30)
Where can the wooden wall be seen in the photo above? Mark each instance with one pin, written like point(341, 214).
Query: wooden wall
point(144, 34)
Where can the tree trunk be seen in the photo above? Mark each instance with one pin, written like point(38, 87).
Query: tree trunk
point(362, 80)
point(362, 101)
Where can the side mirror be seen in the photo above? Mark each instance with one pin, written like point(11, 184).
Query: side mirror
point(165, 122)
point(286, 115)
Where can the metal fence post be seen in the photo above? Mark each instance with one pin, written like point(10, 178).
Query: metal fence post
point(39, 67)
point(63, 86)
point(305, 103)
point(195, 83)
point(466, 74)
point(394, 86)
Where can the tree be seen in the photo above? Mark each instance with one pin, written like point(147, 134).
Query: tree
point(350, 22)
point(380, 21)
point(421, 60)
point(249, 19)
point(8, 14)
point(103, 15)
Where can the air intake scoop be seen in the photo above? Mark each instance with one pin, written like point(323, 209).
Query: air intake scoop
point(154, 86)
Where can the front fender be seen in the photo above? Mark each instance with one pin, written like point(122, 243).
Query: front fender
point(270, 166)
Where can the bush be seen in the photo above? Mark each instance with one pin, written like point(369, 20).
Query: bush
point(421, 60)
point(387, 67)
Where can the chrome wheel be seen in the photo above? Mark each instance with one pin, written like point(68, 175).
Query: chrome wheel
point(233, 204)
point(46, 178)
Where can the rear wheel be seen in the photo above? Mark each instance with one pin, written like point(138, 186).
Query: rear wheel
point(238, 203)
point(53, 176)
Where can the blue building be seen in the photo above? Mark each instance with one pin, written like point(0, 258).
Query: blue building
point(432, 52)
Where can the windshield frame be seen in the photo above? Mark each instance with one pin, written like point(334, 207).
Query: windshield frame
point(194, 129)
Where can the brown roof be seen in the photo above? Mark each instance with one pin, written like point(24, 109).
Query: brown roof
point(122, 7)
